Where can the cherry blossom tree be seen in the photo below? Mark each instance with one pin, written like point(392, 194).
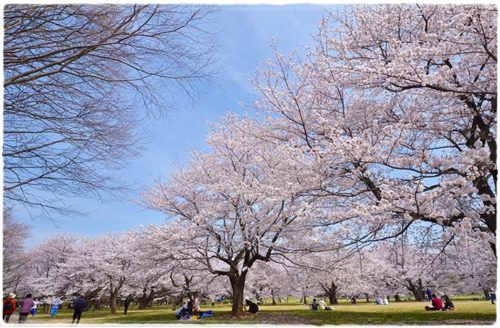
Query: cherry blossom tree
point(302, 284)
point(468, 269)
point(268, 279)
point(227, 203)
point(329, 269)
point(14, 255)
point(107, 261)
point(409, 267)
point(65, 266)
point(161, 247)
point(48, 267)
point(338, 277)
point(147, 278)
point(396, 107)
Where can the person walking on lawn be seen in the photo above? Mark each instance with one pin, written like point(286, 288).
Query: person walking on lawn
point(25, 308)
point(34, 308)
point(78, 307)
point(126, 304)
point(54, 307)
point(9, 306)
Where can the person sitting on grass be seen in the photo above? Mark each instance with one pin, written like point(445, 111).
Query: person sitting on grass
point(315, 305)
point(448, 304)
point(379, 301)
point(437, 304)
point(190, 306)
point(196, 306)
point(323, 306)
point(185, 312)
point(252, 307)
point(198, 313)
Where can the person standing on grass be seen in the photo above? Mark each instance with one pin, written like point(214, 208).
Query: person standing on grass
point(428, 293)
point(126, 304)
point(54, 307)
point(437, 304)
point(78, 307)
point(9, 306)
point(493, 295)
point(34, 308)
point(25, 308)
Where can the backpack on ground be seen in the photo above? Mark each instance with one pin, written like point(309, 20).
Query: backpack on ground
point(207, 314)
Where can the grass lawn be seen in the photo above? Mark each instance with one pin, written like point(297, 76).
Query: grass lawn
point(468, 312)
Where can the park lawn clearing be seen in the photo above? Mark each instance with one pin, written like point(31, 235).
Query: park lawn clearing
point(405, 313)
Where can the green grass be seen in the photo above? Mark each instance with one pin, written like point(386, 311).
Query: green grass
point(468, 312)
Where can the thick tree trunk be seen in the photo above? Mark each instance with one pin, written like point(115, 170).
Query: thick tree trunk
point(397, 298)
point(114, 291)
point(305, 299)
point(146, 300)
point(331, 291)
point(274, 299)
point(238, 288)
point(333, 299)
point(112, 302)
point(416, 289)
point(367, 298)
point(332, 294)
point(486, 293)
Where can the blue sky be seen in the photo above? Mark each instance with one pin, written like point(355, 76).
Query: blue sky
point(244, 39)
